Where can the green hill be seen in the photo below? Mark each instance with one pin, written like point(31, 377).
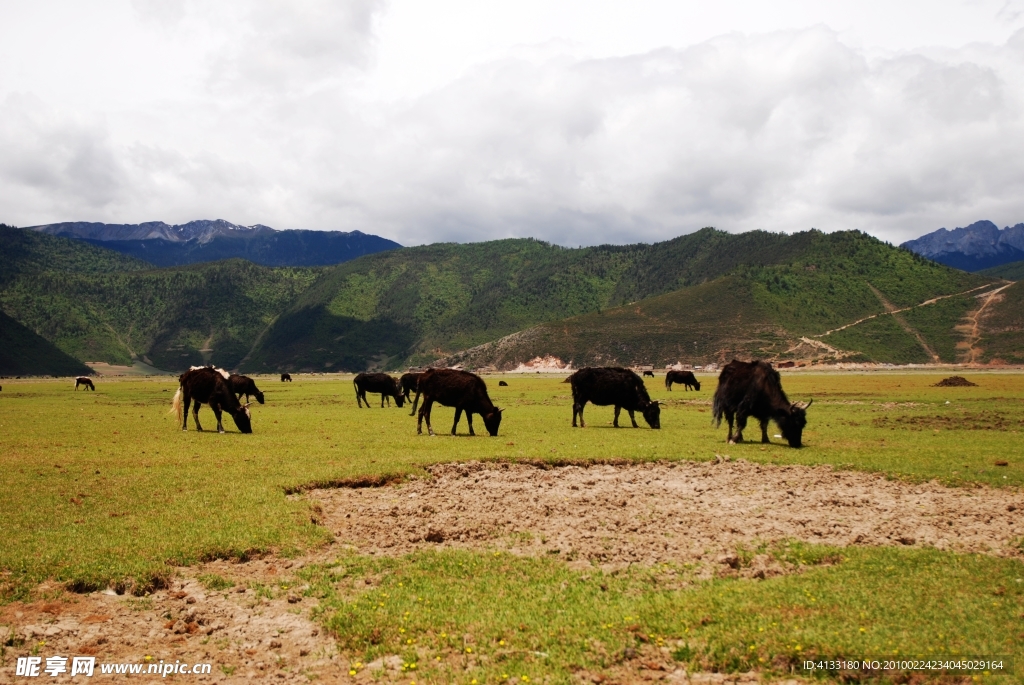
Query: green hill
point(781, 311)
point(98, 305)
point(413, 305)
point(703, 296)
point(23, 353)
point(1014, 271)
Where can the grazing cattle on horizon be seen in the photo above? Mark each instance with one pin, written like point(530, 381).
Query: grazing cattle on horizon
point(386, 385)
point(86, 381)
point(243, 385)
point(684, 378)
point(463, 390)
point(286, 377)
point(649, 373)
point(409, 383)
point(754, 389)
point(207, 385)
point(503, 384)
point(616, 386)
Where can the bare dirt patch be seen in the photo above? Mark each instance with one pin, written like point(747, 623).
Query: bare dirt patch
point(683, 512)
point(955, 382)
point(246, 635)
point(982, 420)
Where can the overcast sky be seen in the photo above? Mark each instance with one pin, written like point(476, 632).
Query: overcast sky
point(577, 122)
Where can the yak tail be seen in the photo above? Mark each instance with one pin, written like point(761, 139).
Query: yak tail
point(176, 404)
point(717, 410)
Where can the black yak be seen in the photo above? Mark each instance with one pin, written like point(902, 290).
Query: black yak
point(286, 377)
point(86, 381)
point(243, 385)
point(463, 390)
point(386, 385)
point(409, 383)
point(684, 378)
point(210, 386)
point(754, 389)
point(616, 386)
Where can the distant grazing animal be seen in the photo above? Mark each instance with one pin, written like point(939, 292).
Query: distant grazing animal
point(243, 385)
point(207, 385)
point(386, 385)
point(684, 378)
point(463, 390)
point(649, 373)
point(286, 377)
point(785, 365)
point(84, 380)
point(503, 384)
point(754, 389)
point(616, 386)
point(409, 382)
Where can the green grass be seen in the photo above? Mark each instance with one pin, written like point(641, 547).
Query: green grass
point(457, 616)
point(103, 488)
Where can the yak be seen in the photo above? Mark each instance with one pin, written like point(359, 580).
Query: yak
point(684, 378)
point(409, 383)
point(613, 385)
point(286, 377)
point(243, 385)
point(754, 388)
point(210, 386)
point(86, 381)
point(386, 385)
point(463, 390)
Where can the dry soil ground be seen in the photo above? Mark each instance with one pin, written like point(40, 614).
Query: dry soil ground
point(685, 512)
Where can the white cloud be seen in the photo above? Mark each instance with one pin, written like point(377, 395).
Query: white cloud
point(273, 116)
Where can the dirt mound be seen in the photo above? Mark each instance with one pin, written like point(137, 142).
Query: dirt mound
point(684, 512)
point(955, 382)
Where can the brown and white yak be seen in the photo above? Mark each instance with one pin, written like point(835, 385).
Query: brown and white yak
point(207, 385)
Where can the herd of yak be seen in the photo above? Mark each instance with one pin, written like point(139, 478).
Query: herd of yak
point(745, 390)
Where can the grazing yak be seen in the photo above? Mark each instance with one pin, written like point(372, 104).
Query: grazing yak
point(386, 385)
point(502, 384)
point(684, 378)
point(409, 382)
point(616, 386)
point(243, 385)
point(754, 389)
point(648, 373)
point(286, 377)
point(86, 381)
point(463, 390)
point(207, 385)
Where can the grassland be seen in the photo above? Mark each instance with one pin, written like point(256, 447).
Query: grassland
point(102, 488)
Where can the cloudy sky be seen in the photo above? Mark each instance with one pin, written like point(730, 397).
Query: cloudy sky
point(577, 122)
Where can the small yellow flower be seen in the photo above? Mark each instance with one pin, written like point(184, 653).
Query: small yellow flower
point(401, 630)
point(472, 682)
point(863, 630)
point(444, 634)
point(352, 671)
point(148, 658)
point(501, 642)
point(525, 679)
point(504, 676)
point(469, 650)
point(359, 664)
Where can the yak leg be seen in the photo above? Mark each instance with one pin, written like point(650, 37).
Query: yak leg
point(458, 415)
point(382, 398)
point(764, 430)
point(578, 409)
point(729, 416)
point(425, 412)
point(184, 414)
point(469, 420)
point(217, 413)
point(414, 403)
point(632, 418)
point(360, 398)
point(195, 415)
point(741, 424)
point(616, 421)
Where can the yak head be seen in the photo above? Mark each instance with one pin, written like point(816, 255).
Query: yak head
point(243, 419)
point(492, 420)
point(696, 383)
point(652, 414)
point(792, 425)
point(399, 395)
point(259, 397)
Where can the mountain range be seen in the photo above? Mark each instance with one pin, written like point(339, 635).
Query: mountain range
point(699, 298)
point(981, 245)
point(162, 244)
